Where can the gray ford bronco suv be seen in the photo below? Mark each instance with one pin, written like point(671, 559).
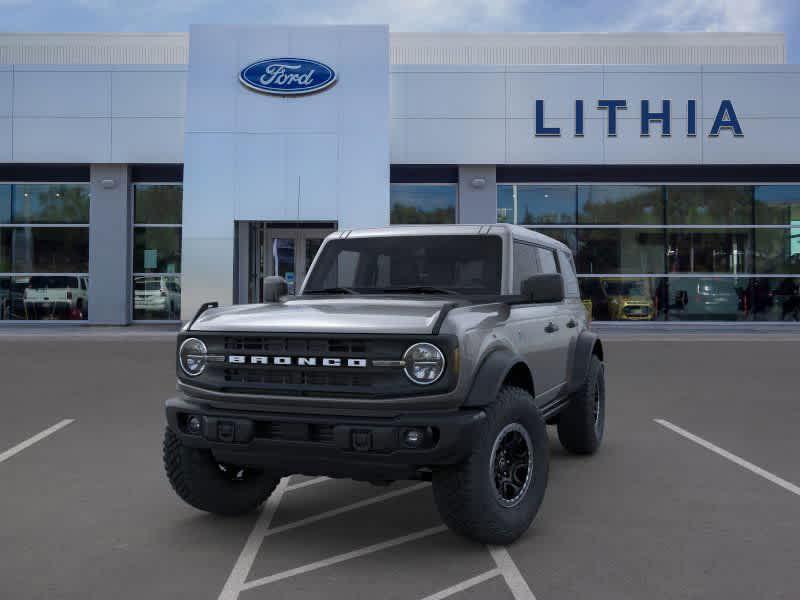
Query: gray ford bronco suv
point(415, 352)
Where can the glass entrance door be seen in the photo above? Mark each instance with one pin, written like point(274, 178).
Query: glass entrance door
point(283, 251)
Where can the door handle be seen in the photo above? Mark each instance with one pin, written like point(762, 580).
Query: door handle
point(551, 327)
point(572, 323)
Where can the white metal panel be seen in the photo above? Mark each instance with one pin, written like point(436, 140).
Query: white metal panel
point(765, 141)
point(753, 94)
point(207, 272)
point(211, 89)
point(255, 197)
point(79, 140)
point(397, 142)
point(629, 148)
point(455, 141)
point(559, 90)
point(5, 139)
point(148, 93)
point(312, 170)
point(209, 185)
point(61, 93)
point(453, 95)
point(363, 190)
point(523, 147)
point(147, 140)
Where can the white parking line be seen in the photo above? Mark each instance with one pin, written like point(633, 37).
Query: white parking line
point(788, 486)
point(320, 564)
point(241, 569)
point(306, 483)
point(32, 440)
point(508, 569)
point(338, 511)
point(464, 585)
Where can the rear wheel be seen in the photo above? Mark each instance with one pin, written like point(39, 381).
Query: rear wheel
point(211, 486)
point(582, 423)
point(493, 496)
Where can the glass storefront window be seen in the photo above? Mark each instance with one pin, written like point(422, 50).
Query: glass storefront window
point(44, 251)
point(536, 204)
point(156, 297)
point(420, 203)
point(157, 213)
point(709, 205)
point(618, 204)
point(778, 205)
point(710, 251)
point(620, 251)
point(44, 204)
point(778, 250)
point(157, 250)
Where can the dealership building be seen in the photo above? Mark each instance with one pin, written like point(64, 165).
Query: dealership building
point(144, 174)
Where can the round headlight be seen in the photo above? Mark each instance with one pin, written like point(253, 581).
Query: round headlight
point(192, 357)
point(424, 363)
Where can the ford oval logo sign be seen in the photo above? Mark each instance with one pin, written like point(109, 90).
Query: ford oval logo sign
point(287, 76)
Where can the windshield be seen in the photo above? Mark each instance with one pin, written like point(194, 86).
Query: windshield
point(462, 264)
point(625, 288)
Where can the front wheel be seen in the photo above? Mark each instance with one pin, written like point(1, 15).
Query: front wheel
point(213, 487)
point(494, 495)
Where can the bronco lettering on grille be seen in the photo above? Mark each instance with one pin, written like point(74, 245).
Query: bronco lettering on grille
point(300, 361)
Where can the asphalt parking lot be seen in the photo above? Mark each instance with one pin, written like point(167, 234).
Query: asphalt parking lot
point(693, 495)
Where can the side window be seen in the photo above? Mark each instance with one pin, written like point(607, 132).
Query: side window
point(547, 259)
point(571, 289)
point(526, 263)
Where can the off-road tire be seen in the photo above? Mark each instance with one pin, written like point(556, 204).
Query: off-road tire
point(197, 478)
point(579, 430)
point(466, 495)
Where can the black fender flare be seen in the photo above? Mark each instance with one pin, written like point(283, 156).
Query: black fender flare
point(584, 349)
point(490, 376)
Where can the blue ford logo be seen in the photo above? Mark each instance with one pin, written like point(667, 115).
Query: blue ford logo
point(287, 76)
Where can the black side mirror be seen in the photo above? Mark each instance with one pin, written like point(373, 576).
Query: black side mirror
point(274, 288)
point(543, 287)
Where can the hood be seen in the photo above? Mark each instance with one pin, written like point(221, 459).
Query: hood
point(326, 315)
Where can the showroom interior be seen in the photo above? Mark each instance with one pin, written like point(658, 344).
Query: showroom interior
point(109, 210)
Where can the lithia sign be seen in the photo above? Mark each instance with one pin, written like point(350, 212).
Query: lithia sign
point(726, 119)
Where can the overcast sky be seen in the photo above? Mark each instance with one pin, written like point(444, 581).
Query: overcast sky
point(413, 15)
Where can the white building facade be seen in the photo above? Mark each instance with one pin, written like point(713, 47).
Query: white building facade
point(141, 175)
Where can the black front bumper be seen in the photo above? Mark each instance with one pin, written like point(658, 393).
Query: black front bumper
point(371, 448)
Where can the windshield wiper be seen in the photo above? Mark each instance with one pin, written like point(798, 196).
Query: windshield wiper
point(332, 290)
point(418, 289)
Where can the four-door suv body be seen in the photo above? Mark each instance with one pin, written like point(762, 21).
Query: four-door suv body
point(415, 352)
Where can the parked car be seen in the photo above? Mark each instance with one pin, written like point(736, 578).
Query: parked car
point(56, 297)
point(156, 296)
point(431, 352)
point(628, 299)
point(705, 298)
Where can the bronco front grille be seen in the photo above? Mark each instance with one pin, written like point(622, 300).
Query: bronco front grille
point(289, 377)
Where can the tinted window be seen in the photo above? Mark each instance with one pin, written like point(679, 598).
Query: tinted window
point(526, 263)
point(614, 204)
point(568, 271)
point(468, 264)
point(547, 260)
point(423, 203)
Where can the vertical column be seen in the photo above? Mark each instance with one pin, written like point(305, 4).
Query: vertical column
point(109, 243)
point(477, 194)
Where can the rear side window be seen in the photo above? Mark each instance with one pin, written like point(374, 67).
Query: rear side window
point(571, 289)
point(526, 263)
point(547, 260)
